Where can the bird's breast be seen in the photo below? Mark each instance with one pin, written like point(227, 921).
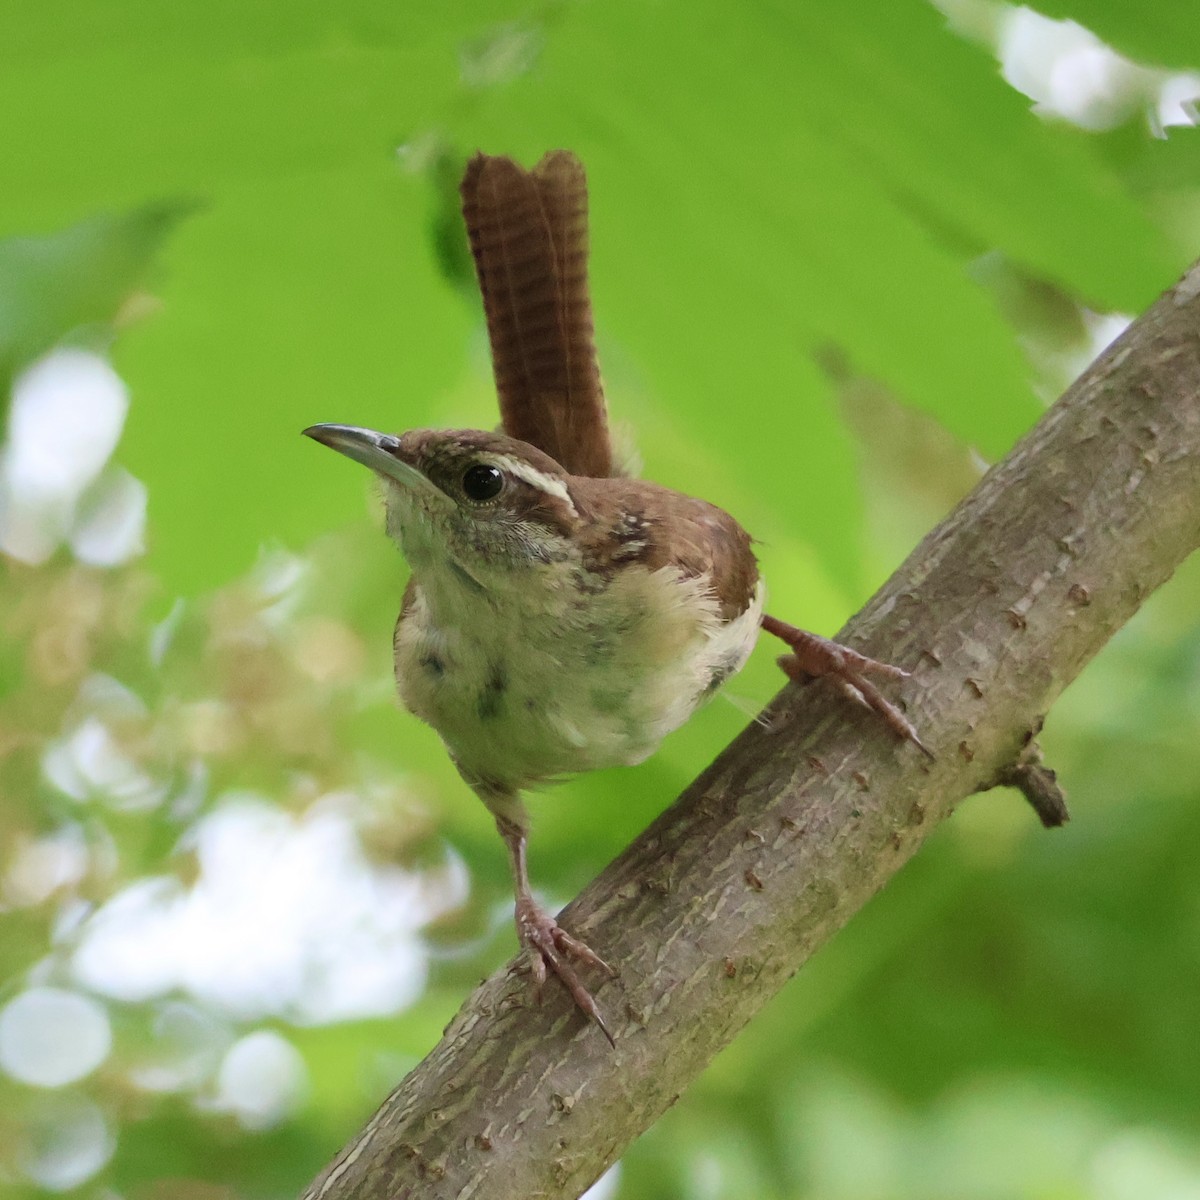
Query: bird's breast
point(556, 675)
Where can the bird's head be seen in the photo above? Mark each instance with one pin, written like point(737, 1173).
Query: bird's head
point(481, 501)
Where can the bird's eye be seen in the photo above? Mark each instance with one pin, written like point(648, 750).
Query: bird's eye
point(482, 482)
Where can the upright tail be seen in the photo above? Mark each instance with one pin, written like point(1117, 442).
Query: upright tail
point(528, 234)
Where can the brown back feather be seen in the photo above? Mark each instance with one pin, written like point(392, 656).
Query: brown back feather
point(656, 527)
point(528, 235)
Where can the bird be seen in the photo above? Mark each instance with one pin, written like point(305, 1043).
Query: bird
point(561, 616)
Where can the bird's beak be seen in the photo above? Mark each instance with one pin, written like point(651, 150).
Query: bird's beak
point(382, 452)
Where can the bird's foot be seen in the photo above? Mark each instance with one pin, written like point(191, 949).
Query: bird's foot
point(547, 945)
point(814, 655)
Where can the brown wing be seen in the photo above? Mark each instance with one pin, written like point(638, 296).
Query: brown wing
point(528, 234)
point(637, 522)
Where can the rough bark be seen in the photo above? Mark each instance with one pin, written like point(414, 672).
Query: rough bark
point(804, 817)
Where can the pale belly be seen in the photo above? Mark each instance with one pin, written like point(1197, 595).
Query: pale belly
point(593, 684)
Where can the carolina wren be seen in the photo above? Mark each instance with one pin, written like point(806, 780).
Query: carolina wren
point(560, 617)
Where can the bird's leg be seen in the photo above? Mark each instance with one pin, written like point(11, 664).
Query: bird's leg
point(812, 654)
point(546, 943)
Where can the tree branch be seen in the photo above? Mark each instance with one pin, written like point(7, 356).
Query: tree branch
point(803, 818)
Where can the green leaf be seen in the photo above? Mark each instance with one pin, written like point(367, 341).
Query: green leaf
point(53, 285)
point(806, 181)
point(768, 182)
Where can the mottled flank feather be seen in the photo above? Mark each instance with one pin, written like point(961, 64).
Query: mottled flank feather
point(641, 522)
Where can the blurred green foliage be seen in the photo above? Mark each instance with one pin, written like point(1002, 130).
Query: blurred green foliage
point(73, 281)
point(837, 264)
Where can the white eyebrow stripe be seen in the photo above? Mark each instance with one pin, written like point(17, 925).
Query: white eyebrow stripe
point(535, 478)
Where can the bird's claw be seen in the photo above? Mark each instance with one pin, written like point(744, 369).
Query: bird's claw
point(548, 945)
point(812, 655)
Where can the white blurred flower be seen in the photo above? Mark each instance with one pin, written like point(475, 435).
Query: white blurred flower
point(1069, 71)
point(88, 764)
point(279, 579)
point(111, 523)
point(286, 917)
point(261, 1079)
point(185, 1044)
point(50, 1037)
point(1179, 100)
point(68, 410)
point(66, 416)
point(64, 1143)
point(38, 867)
